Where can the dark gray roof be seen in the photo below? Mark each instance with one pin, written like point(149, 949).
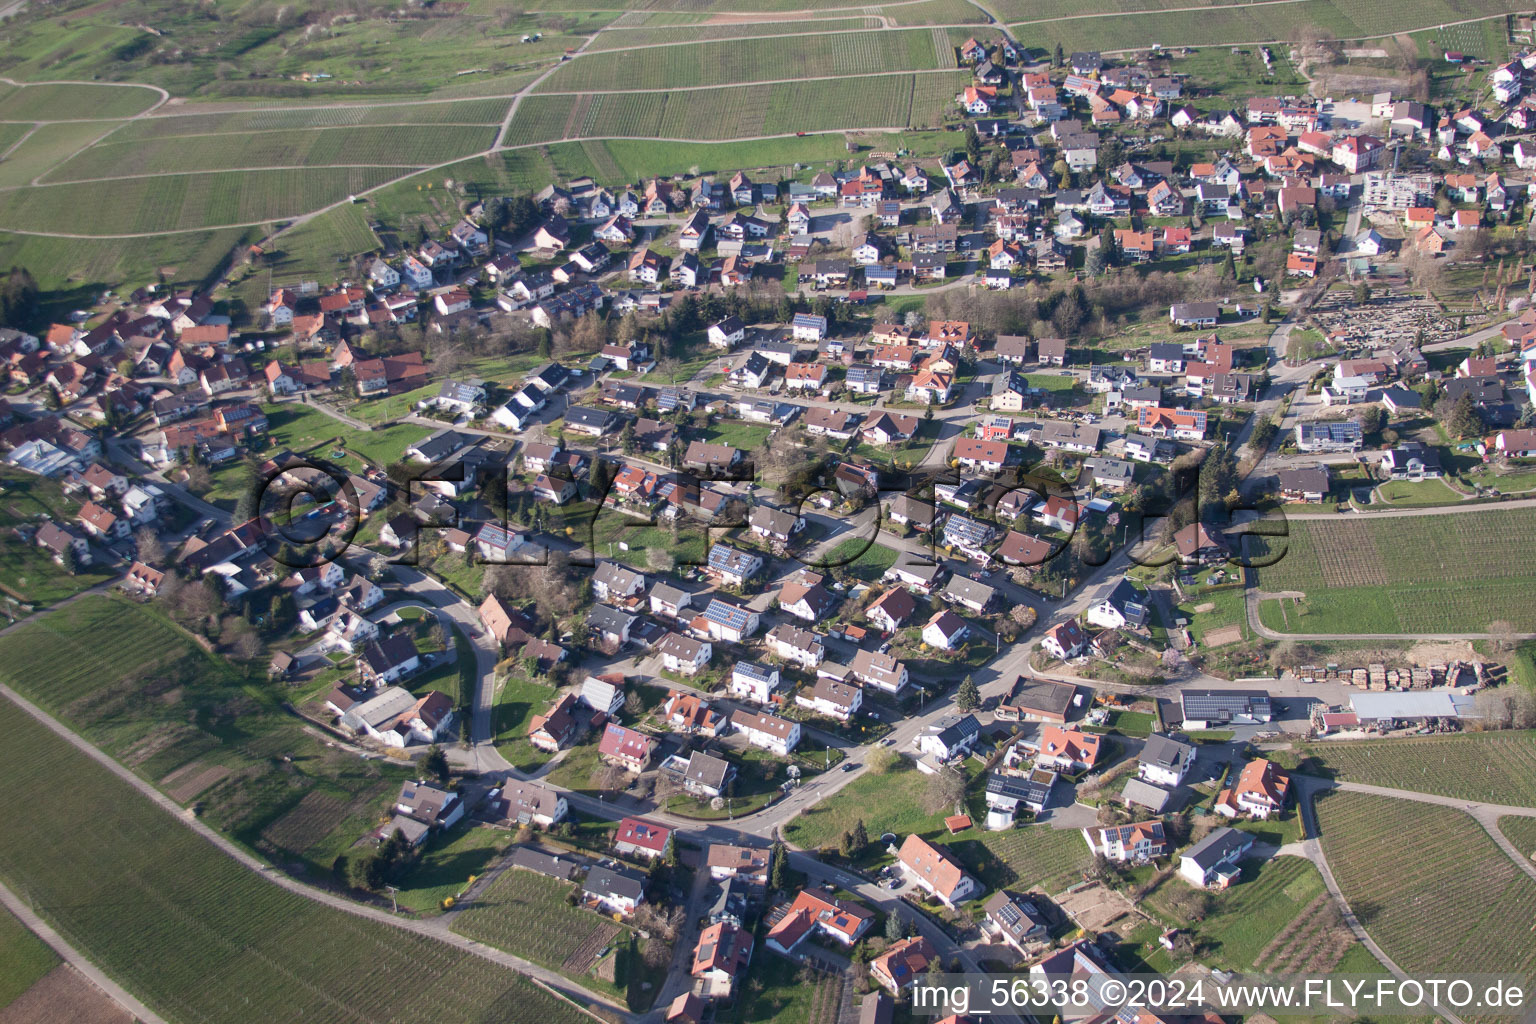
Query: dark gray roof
point(561, 866)
point(1167, 752)
point(1220, 705)
point(1221, 844)
point(1143, 793)
point(603, 881)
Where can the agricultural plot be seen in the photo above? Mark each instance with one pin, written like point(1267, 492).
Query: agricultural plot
point(1279, 919)
point(885, 101)
point(138, 689)
point(47, 147)
point(1449, 898)
point(1404, 575)
point(394, 146)
point(1032, 856)
point(53, 102)
point(185, 201)
point(199, 937)
point(461, 112)
point(936, 12)
point(727, 63)
point(1134, 24)
point(72, 271)
point(654, 34)
point(526, 914)
point(312, 249)
point(1492, 767)
point(24, 958)
point(1520, 831)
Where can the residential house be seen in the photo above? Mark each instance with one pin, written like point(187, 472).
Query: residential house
point(1137, 842)
point(934, 872)
point(641, 839)
point(1259, 791)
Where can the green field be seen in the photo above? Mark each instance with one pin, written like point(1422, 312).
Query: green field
point(1131, 24)
point(59, 102)
point(761, 60)
point(1446, 898)
point(181, 124)
point(28, 572)
point(177, 201)
point(1278, 918)
point(73, 271)
point(518, 701)
point(24, 958)
point(138, 689)
point(1490, 767)
point(199, 937)
point(886, 803)
point(884, 101)
point(302, 427)
point(1028, 856)
point(654, 34)
point(45, 148)
point(450, 860)
point(1408, 494)
point(1521, 831)
point(392, 146)
point(315, 250)
point(861, 558)
point(526, 914)
point(1413, 574)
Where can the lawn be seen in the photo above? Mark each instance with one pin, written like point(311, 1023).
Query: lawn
point(526, 914)
point(1449, 898)
point(862, 558)
point(1226, 608)
point(1404, 575)
point(518, 701)
point(1276, 918)
point(782, 992)
point(27, 572)
point(1423, 493)
point(1491, 767)
point(448, 864)
point(24, 958)
point(885, 803)
point(301, 428)
point(162, 911)
point(749, 437)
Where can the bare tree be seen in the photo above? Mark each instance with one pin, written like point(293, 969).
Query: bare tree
point(151, 550)
point(946, 790)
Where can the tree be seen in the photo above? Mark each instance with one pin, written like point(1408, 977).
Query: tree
point(435, 763)
point(1023, 616)
point(1460, 417)
point(1372, 418)
point(946, 789)
point(845, 845)
point(967, 697)
point(778, 854)
point(860, 837)
point(18, 298)
point(150, 550)
point(881, 760)
point(1059, 57)
point(893, 928)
